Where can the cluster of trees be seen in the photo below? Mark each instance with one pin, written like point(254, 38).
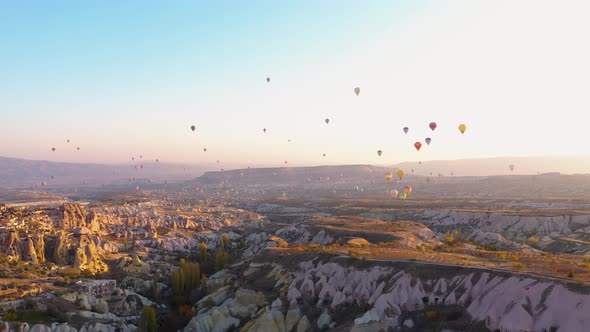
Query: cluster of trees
point(186, 278)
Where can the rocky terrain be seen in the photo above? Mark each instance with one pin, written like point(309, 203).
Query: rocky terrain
point(226, 257)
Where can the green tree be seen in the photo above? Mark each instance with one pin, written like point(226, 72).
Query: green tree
point(219, 259)
point(203, 251)
point(155, 288)
point(147, 321)
point(225, 241)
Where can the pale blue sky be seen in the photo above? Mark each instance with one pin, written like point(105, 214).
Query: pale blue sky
point(123, 78)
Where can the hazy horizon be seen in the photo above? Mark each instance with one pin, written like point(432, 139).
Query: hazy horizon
point(130, 79)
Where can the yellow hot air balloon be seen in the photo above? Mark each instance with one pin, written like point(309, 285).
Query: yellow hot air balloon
point(388, 176)
point(401, 174)
point(403, 196)
point(462, 128)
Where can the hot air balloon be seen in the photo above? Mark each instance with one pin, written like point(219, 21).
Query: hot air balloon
point(462, 128)
point(511, 167)
point(388, 176)
point(357, 91)
point(132, 158)
point(417, 145)
point(53, 177)
point(264, 130)
point(53, 149)
point(401, 173)
point(406, 129)
point(419, 163)
point(241, 173)
point(327, 120)
point(68, 141)
point(204, 149)
point(379, 152)
point(432, 125)
point(218, 161)
point(285, 161)
point(428, 140)
point(193, 128)
point(403, 196)
point(157, 160)
point(324, 154)
point(412, 171)
point(407, 190)
point(140, 156)
point(141, 166)
point(78, 148)
point(137, 188)
point(394, 193)
point(268, 79)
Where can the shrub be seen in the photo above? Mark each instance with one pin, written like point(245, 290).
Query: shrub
point(570, 274)
point(431, 314)
point(502, 254)
point(210, 302)
point(518, 266)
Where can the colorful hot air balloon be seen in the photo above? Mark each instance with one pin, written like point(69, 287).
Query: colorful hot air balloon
point(401, 173)
point(394, 193)
point(428, 140)
point(432, 125)
point(403, 196)
point(193, 128)
point(388, 176)
point(327, 120)
point(357, 91)
point(406, 129)
point(417, 145)
point(379, 152)
point(407, 190)
point(462, 128)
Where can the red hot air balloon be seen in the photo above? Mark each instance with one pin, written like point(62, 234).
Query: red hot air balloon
point(432, 125)
point(407, 190)
point(418, 145)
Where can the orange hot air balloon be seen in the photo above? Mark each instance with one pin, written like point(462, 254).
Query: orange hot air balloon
point(418, 145)
point(462, 128)
point(379, 152)
point(357, 90)
point(388, 176)
point(432, 125)
point(407, 190)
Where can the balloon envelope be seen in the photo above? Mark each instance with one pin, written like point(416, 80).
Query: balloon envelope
point(394, 193)
point(403, 195)
point(327, 120)
point(388, 176)
point(379, 152)
point(401, 174)
point(407, 190)
point(462, 128)
point(418, 145)
point(268, 79)
point(406, 129)
point(357, 91)
point(428, 140)
point(432, 125)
